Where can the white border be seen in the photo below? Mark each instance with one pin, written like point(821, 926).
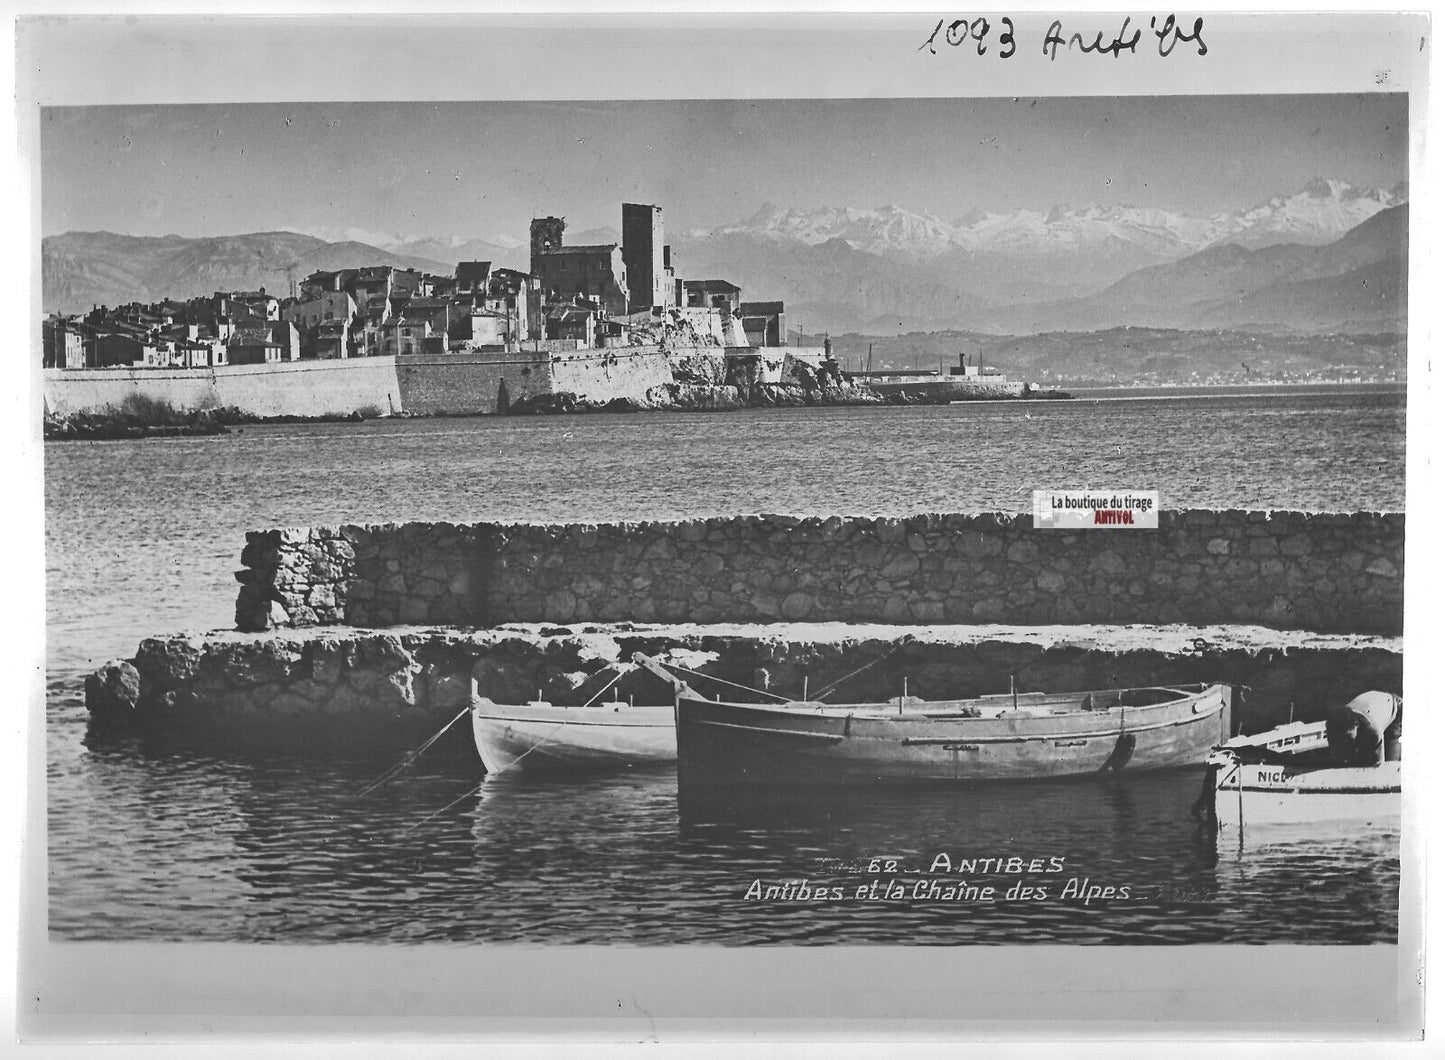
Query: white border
point(1327, 58)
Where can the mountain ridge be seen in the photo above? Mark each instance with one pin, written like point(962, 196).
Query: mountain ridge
point(83, 269)
point(1088, 267)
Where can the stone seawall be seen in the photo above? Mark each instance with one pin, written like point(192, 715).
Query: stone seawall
point(293, 388)
point(611, 374)
point(1289, 570)
point(470, 384)
point(450, 384)
point(362, 691)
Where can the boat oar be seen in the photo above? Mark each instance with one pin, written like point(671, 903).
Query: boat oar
point(1120, 755)
point(1123, 746)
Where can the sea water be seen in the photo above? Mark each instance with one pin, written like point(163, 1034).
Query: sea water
point(151, 843)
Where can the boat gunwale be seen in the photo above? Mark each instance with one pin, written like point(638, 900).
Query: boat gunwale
point(917, 712)
point(657, 717)
point(1230, 789)
point(1387, 779)
point(926, 741)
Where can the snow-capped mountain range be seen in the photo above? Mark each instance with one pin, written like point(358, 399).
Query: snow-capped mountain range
point(887, 270)
point(1321, 211)
point(826, 259)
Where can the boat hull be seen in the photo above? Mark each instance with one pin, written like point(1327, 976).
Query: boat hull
point(551, 738)
point(1247, 796)
point(723, 744)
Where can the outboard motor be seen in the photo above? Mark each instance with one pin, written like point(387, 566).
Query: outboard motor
point(1357, 730)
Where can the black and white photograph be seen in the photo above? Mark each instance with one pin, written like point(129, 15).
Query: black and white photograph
point(793, 513)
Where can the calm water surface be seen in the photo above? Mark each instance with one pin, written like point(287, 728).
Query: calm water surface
point(147, 843)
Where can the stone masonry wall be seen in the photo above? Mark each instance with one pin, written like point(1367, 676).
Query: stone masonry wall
point(355, 690)
point(468, 384)
point(1330, 572)
point(290, 388)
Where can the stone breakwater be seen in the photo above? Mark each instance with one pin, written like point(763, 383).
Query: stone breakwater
point(1328, 572)
point(365, 691)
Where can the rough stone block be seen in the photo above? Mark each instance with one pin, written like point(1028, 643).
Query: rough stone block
point(797, 606)
point(1383, 568)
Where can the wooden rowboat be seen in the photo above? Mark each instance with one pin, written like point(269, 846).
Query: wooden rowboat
point(541, 736)
point(1007, 737)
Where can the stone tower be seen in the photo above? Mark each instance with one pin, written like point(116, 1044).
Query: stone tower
point(642, 254)
point(546, 237)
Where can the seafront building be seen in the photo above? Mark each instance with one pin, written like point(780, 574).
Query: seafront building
point(586, 324)
point(575, 297)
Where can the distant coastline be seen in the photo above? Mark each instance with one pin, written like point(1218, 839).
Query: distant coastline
point(1198, 390)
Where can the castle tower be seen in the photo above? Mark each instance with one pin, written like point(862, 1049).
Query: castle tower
point(642, 254)
point(546, 237)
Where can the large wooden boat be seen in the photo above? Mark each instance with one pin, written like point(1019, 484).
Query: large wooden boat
point(907, 740)
point(1285, 779)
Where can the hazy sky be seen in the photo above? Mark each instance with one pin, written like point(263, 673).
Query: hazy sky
point(486, 168)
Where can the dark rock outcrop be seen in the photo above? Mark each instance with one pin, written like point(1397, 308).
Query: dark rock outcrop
point(111, 694)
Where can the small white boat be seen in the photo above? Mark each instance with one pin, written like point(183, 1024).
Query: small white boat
point(542, 736)
point(1285, 778)
point(1250, 796)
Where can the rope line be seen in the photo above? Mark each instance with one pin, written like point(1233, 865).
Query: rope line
point(886, 655)
point(411, 756)
point(432, 816)
point(723, 681)
point(616, 677)
point(478, 789)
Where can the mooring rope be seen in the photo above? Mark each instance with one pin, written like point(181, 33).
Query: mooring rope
point(616, 677)
point(849, 676)
point(432, 816)
point(723, 681)
point(411, 756)
point(545, 737)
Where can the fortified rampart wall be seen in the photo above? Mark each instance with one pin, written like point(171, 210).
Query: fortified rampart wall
point(291, 388)
point(605, 375)
point(469, 384)
point(449, 384)
point(1328, 572)
point(462, 384)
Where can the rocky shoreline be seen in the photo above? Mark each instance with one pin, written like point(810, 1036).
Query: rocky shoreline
point(703, 397)
point(113, 426)
point(817, 389)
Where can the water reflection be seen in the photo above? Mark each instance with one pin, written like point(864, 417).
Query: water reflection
point(286, 850)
